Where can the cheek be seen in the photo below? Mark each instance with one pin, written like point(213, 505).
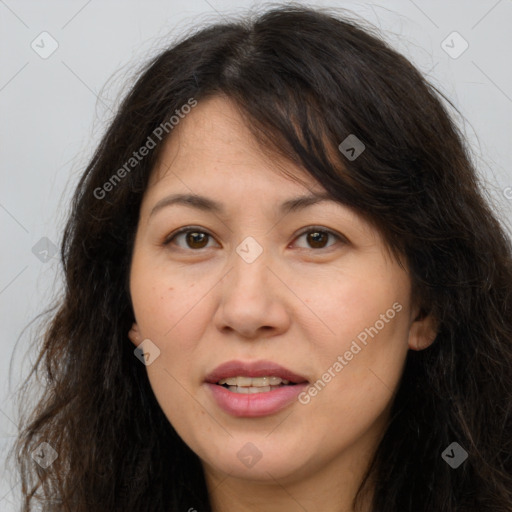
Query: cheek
point(173, 393)
point(166, 304)
point(346, 306)
point(361, 344)
point(169, 312)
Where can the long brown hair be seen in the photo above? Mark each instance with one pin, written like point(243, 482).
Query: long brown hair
point(305, 80)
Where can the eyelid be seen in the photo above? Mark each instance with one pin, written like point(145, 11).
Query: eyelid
point(323, 229)
point(169, 238)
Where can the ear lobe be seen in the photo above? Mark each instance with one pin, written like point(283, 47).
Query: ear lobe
point(423, 331)
point(134, 335)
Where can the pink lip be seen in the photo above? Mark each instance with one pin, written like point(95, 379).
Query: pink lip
point(254, 404)
point(252, 369)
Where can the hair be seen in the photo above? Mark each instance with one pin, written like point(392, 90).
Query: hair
point(303, 79)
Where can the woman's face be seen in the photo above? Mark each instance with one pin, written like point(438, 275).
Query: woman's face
point(307, 293)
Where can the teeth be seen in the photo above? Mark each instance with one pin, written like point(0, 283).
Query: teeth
point(249, 390)
point(253, 382)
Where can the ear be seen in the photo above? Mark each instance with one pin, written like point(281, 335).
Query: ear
point(134, 335)
point(423, 331)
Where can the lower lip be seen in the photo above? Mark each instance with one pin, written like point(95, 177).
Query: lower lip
point(255, 404)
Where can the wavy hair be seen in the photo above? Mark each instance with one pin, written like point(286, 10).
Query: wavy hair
point(304, 79)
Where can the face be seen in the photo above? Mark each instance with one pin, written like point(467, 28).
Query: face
point(307, 294)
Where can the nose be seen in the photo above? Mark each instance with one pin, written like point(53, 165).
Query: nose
point(253, 300)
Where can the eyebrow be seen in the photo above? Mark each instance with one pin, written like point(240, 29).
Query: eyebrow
point(206, 204)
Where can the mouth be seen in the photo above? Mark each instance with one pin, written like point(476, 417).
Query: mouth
point(253, 389)
point(253, 377)
point(249, 385)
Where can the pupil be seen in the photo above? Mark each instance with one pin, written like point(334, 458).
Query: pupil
point(191, 238)
point(315, 236)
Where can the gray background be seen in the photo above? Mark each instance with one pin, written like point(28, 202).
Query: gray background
point(54, 110)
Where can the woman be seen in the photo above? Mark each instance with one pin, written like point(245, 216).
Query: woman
point(284, 291)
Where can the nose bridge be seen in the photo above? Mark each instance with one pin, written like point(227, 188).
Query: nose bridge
point(248, 300)
point(250, 260)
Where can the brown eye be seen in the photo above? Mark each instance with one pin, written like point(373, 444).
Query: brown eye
point(194, 239)
point(318, 238)
point(197, 239)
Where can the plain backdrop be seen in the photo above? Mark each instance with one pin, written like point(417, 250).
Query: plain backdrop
point(55, 106)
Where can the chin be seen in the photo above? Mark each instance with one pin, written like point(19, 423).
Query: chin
point(260, 459)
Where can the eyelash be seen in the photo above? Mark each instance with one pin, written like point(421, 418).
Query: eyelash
point(309, 229)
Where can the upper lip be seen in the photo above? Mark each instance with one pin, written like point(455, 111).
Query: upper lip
point(252, 369)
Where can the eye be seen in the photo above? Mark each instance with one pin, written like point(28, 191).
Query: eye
point(317, 237)
point(195, 238)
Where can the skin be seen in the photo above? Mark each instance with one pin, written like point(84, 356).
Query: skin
point(298, 304)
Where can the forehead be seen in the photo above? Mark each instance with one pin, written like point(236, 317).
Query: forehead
point(215, 164)
point(213, 143)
